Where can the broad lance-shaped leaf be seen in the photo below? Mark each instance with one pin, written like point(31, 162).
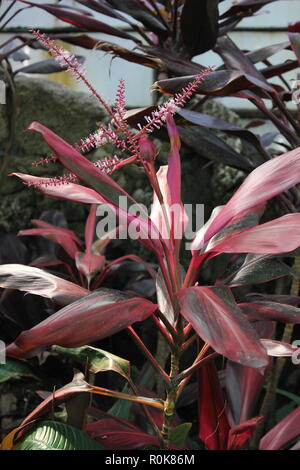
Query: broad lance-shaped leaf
point(81, 20)
point(199, 25)
point(97, 359)
point(274, 311)
point(216, 318)
point(283, 433)
point(39, 282)
point(119, 434)
point(277, 236)
point(213, 122)
point(14, 369)
point(254, 270)
point(96, 316)
point(213, 422)
point(109, 190)
point(53, 435)
point(263, 183)
point(243, 386)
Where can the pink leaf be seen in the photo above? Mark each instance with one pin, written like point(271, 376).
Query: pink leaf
point(70, 191)
point(277, 236)
point(263, 183)
point(90, 228)
point(39, 282)
point(284, 432)
point(278, 348)
point(89, 264)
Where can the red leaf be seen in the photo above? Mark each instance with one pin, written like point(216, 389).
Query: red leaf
point(216, 318)
point(213, 423)
point(240, 434)
point(116, 435)
point(96, 316)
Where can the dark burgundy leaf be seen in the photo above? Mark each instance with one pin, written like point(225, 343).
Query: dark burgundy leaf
point(43, 67)
point(214, 122)
point(235, 59)
point(138, 11)
point(260, 55)
point(209, 145)
point(256, 269)
point(274, 311)
point(80, 20)
point(213, 423)
point(245, 8)
point(199, 25)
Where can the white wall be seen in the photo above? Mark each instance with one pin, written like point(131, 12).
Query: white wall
point(105, 72)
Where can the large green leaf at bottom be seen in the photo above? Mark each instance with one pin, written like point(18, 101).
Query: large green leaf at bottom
point(52, 435)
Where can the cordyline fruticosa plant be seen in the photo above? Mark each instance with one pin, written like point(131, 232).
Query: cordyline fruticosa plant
point(168, 35)
point(185, 313)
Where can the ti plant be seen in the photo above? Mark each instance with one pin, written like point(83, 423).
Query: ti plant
point(226, 337)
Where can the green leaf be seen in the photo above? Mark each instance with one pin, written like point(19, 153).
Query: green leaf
point(52, 435)
point(14, 369)
point(179, 434)
point(121, 408)
point(96, 359)
point(290, 395)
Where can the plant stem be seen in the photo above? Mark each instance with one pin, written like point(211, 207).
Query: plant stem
point(170, 401)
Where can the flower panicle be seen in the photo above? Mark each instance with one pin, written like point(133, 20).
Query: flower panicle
point(120, 103)
point(56, 181)
point(158, 117)
point(69, 61)
point(63, 57)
